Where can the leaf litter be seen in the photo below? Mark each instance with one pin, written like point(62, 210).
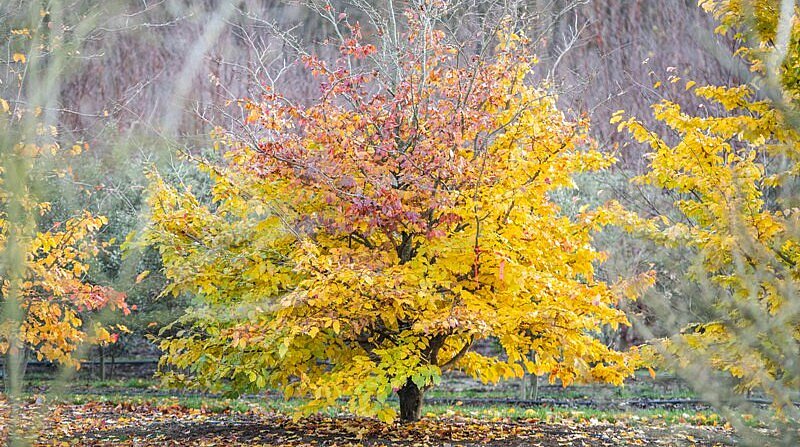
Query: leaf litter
point(151, 424)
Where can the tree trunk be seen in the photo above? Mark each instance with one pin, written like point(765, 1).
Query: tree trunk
point(102, 363)
point(14, 367)
point(410, 401)
point(530, 383)
point(533, 387)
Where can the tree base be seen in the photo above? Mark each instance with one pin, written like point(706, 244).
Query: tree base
point(411, 397)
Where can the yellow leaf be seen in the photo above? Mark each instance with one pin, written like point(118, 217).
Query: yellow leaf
point(616, 117)
point(141, 276)
point(19, 57)
point(253, 116)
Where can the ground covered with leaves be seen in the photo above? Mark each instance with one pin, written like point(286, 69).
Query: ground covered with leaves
point(163, 423)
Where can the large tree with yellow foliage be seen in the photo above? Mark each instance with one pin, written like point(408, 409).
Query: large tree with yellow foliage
point(733, 168)
point(361, 245)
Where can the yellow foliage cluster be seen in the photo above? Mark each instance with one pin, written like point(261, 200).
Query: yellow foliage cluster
point(773, 37)
point(733, 175)
point(50, 289)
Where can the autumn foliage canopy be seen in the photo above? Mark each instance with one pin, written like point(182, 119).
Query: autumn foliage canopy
point(48, 297)
point(733, 168)
point(361, 245)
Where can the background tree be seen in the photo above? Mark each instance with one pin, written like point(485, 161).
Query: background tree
point(734, 175)
point(359, 246)
point(49, 300)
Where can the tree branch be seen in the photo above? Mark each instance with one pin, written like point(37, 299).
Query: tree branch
point(449, 364)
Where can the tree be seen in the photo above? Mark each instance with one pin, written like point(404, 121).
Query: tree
point(734, 171)
point(46, 295)
point(50, 305)
point(359, 246)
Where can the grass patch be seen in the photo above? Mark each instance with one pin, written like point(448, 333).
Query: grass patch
point(488, 412)
point(134, 383)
